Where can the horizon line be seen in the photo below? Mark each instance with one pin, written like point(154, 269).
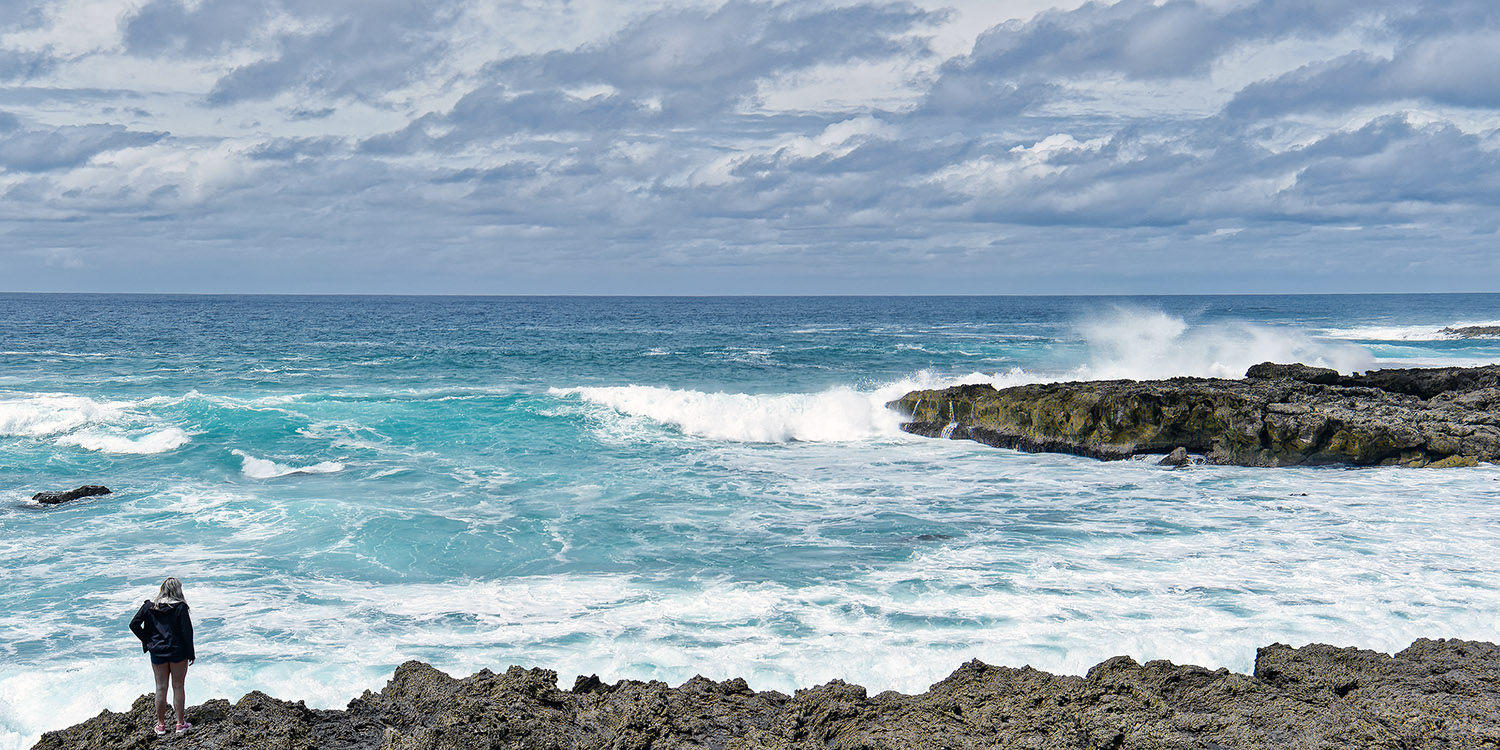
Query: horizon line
point(743, 295)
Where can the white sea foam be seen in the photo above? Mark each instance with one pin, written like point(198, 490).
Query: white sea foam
point(159, 441)
point(43, 415)
point(125, 427)
point(1054, 566)
point(1413, 333)
point(836, 415)
point(261, 468)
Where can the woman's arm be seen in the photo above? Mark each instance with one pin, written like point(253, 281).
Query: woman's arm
point(187, 633)
point(138, 625)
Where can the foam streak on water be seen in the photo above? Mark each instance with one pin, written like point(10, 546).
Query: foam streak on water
point(662, 488)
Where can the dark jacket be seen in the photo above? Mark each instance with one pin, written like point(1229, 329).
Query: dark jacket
point(165, 632)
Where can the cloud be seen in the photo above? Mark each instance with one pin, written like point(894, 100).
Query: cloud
point(1020, 64)
point(21, 64)
point(68, 146)
point(199, 29)
point(672, 69)
point(394, 146)
point(1458, 70)
point(715, 56)
point(361, 49)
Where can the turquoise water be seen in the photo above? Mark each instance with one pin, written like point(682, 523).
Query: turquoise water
point(656, 488)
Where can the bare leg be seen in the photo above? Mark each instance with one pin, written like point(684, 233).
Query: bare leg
point(160, 672)
point(179, 699)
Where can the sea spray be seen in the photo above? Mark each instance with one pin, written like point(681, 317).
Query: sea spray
point(1145, 344)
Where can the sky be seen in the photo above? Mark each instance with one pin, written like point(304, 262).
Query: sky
point(808, 147)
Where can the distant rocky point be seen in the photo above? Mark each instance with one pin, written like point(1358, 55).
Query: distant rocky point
point(1278, 415)
point(1474, 332)
point(1435, 694)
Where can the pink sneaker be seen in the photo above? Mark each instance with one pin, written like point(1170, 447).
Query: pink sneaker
point(161, 729)
point(184, 726)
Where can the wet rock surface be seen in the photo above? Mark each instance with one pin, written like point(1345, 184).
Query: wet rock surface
point(1278, 415)
point(1435, 694)
point(1177, 459)
point(58, 498)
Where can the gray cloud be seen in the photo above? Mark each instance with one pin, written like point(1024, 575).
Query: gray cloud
point(1015, 65)
point(172, 27)
point(639, 161)
point(672, 69)
point(359, 49)
point(1457, 70)
point(700, 60)
point(66, 146)
point(21, 65)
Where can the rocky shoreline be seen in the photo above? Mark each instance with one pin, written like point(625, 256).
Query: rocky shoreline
point(1278, 415)
point(1434, 694)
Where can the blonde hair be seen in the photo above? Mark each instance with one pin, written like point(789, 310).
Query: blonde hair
point(171, 593)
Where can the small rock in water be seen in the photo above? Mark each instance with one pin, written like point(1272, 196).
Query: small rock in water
point(1176, 459)
point(57, 498)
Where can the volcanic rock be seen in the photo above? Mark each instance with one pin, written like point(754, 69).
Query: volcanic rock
point(57, 498)
point(1435, 694)
point(1177, 459)
point(1474, 332)
point(1279, 415)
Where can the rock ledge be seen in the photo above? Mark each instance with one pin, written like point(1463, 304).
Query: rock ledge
point(1279, 415)
point(1435, 694)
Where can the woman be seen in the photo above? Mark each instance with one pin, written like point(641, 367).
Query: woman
point(166, 632)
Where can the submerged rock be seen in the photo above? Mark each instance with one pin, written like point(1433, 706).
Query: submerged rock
point(1279, 415)
point(1435, 694)
point(57, 498)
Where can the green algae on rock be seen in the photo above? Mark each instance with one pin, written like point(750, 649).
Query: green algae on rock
point(1278, 415)
point(1434, 694)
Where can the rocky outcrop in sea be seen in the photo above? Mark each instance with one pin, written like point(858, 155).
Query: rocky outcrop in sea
point(1278, 415)
point(68, 496)
point(1435, 694)
point(1473, 332)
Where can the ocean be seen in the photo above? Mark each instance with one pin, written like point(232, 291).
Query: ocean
point(654, 488)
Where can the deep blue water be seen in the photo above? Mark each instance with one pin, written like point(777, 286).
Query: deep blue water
point(659, 487)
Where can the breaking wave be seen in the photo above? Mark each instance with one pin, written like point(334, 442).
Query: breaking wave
point(160, 441)
point(1127, 344)
point(1143, 344)
point(261, 468)
point(841, 414)
point(44, 415)
point(77, 421)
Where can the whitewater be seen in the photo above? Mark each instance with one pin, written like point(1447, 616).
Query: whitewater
point(654, 488)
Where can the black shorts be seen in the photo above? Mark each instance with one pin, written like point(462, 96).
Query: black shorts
point(165, 659)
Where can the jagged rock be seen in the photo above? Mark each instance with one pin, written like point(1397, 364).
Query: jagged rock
point(1299, 372)
point(1435, 694)
point(1474, 332)
point(1177, 459)
point(1280, 415)
point(57, 498)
